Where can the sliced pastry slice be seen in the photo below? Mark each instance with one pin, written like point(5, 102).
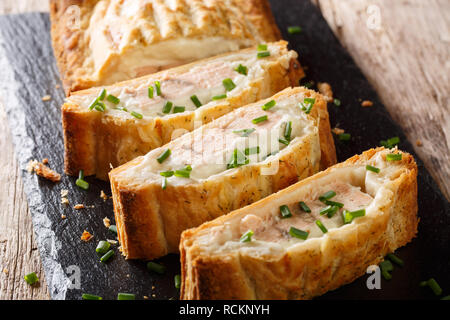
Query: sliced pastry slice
point(110, 126)
point(312, 237)
point(231, 162)
point(99, 43)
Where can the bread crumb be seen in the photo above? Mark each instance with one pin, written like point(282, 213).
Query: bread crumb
point(153, 287)
point(419, 143)
point(145, 297)
point(64, 193)
point(79, 206)
point(154, 295)
point(65, 201)
point(103, 195)
point(325, 89)
point(106, 222)
point(43, 171)
point(45, 161)
point(366, 103)
point(46, 98)
point(57, 86)
point(338, 131)
point(63, 216)
point(5, 271)
point(86, 236)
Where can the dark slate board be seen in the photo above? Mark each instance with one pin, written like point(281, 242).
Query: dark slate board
point(28, 72)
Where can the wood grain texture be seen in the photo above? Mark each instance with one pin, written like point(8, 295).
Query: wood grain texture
point(406, 60)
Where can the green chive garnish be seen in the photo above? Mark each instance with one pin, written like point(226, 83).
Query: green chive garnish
point(113, 99)
point(250, 151)
point(307, 104)
point(373, 169)
point(263, 54)
point(432, 283)
point(136, 115)
point(445, 298)
point(126, 296)
point(102, 95)
point(304, 207)
point(269, 105)
point(196, 101)
point(228, 84)
point(150, 92)
point(285, 212)
point(158, 88)
point(167, 107)
point(237, 159)
point(179, 109)
point(321, 226)
point(244, 132)
point(337, 102)
point(80, 181)
point(87, 296)
point(242, 69)
point(283, 141)
point(297, 233)
point(262, 47)
point(333, 203)
point(31, 278)
point(344, 136)
point(220, 97)
point(349, 216)
point(288, 130)
point(394, 157)
point(93, 103)
point(294, 29)
point(247, 237)
point(113, 228)
point(395, 259)
point(183, 173)
point(327, 195)
point(308, 84)
point(164, 183)
point(164, 155)
point(166, 174)
point(107, 256)
point(390, 143)
point(260, 119)
point(156, 267)
point(386, 267)
point(329, 211)
point(103, 247)
point(177, 280)
point(100, 106)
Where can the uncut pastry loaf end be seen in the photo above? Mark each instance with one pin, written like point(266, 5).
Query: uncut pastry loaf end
point(233, 161)
point(276, 249)
point(107, 127)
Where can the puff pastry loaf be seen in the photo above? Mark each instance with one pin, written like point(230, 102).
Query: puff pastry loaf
point(276, 265)
point(233, 160)
point(95, 141)
point(99, 43)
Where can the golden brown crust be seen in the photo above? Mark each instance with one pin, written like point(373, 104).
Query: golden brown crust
point(93, 143)
point(242, 20)
point(151, 220)
point(310, 270)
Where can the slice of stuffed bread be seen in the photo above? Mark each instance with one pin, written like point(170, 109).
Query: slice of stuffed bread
point(99, 43)
point(110, 126)
point(312, 237)
point(222, 166)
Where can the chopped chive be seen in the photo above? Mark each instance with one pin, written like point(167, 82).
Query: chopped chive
point(167, 107)
point(358, 213)
point(31, 278)
point(183, 173)
point(113, 99)
point(344, 136)
point(244, 132)
point(107, 256)
point(260, 119)
point(179, 109)
point(136, 115)
point(373, 169)
point(294, 29)
point(349, 216)
point(93, 103)
point(82, 184)
point(150, 92)
point(285, 212)
point(156, 267)
point(269, 105)
point(247, 237)
point(219, 97)
point(87, 296)
point(297, 233)
point(262, 47)
point(158, 88)
point(321, 226)
point(100, 106)
point(164, 183)
point(113, 228)
point(327, 195)
point(103, 247)
point(432, 283)
point(102, 95)
point(164, 155)
point(263, 54)
point(81, 175)
point(386, 267)
point(283, 141)
point(395, 259)
point(334, 203)
point(196, 101)
point(228, 84)
point(390, 143)
point(250, 151)
point(386, 275)
point(237, 159)
point(288, 130)
point(166, 174)
point(177, 280)
point(329, 211)
point(445, 298)
point(304, 207)
point(122, 109)
point(241, 69)
point(337, 102)
point(126, 296)
point(394, 157)
point(307, 104)
point(308, 84)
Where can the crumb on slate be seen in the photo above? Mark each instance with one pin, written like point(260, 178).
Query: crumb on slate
point(45, 161)
point(103, 195)
point(46, 98)
point(106, 222)
point(325, 89)
point(86, 236)
point(366, 103)
point(79, 206)
point(63, 216)
point(338, 131)
point(43, 171)
point(419, 143)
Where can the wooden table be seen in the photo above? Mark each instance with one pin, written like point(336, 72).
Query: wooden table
point(402, 47)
